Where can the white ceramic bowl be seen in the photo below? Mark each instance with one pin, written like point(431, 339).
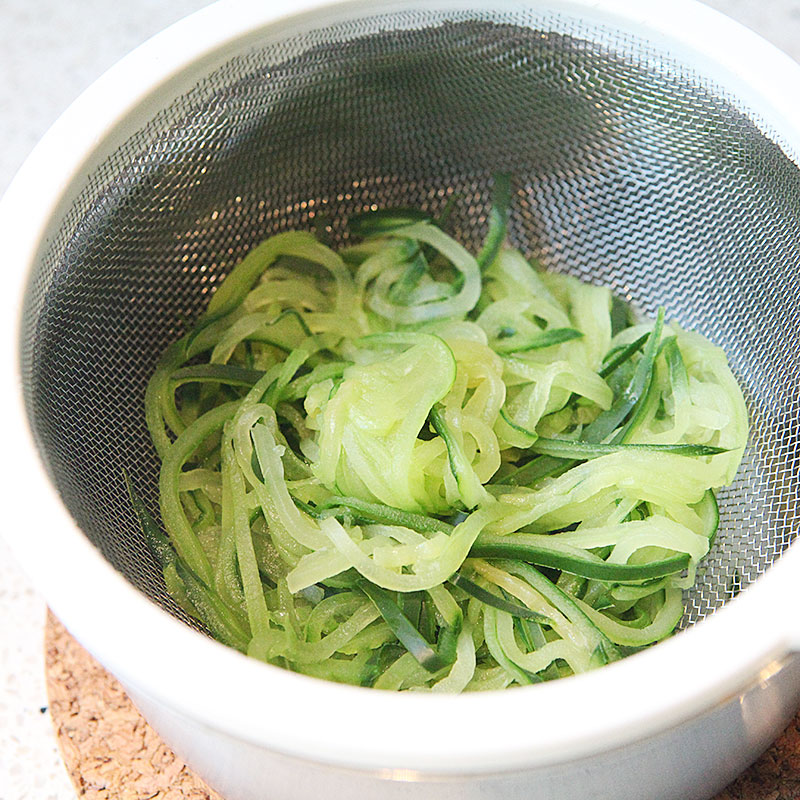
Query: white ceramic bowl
point(675, 721)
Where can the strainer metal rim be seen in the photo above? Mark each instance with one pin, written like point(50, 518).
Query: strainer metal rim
point(161, 658)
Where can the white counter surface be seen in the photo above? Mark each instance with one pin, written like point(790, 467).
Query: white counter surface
point(49, 52)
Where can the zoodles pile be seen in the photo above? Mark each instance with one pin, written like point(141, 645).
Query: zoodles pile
point(403, 466)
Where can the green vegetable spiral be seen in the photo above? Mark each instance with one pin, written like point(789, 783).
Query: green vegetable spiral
point(403, 466)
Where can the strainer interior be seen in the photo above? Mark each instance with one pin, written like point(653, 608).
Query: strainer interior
point(630, 169)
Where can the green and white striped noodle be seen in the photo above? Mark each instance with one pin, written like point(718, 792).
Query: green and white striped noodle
point(408, 467)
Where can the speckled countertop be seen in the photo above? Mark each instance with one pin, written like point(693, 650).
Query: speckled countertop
point(49, 52)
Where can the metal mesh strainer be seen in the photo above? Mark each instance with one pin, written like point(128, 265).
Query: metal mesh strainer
point(630, 170)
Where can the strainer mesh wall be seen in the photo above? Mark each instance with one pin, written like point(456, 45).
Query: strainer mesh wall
point(629, 169)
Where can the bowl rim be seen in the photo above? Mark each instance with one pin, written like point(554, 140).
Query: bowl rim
point(263, 704)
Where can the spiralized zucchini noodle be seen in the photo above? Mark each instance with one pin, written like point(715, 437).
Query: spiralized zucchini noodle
point(404, 466)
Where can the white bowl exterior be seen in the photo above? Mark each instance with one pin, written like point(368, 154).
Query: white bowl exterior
point(692, 761)
point(162, 659)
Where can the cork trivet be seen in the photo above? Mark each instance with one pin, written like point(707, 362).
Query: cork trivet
point(111, 753)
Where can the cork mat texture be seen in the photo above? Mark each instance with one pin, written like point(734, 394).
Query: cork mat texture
point(111, 753)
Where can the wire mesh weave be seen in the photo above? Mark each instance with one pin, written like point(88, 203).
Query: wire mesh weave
point(630, 170)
